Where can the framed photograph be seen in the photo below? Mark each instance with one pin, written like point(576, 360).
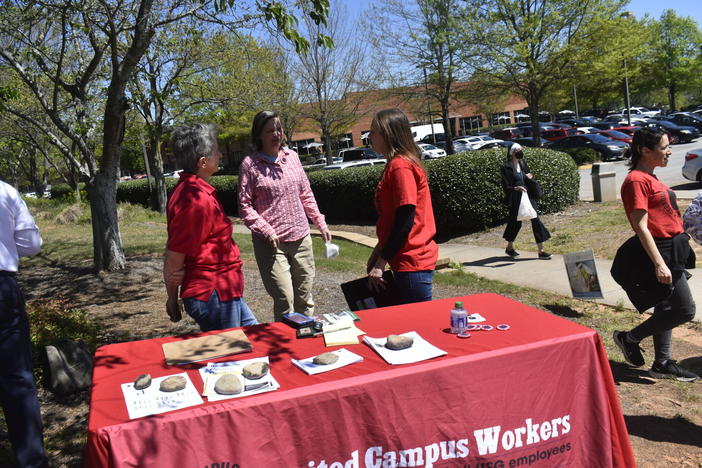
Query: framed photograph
point(582, 275)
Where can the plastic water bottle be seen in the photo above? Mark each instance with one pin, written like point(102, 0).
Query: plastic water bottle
point(459, 318)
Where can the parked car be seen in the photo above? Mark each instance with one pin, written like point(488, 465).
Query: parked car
point(460, 145)
point(692, 167)
point(440, 138)
point(616, 135)
point(357, 154)
point(431, 151)
point(640, 112)
point(480, 142)
point(335, 160)
point(529, 141)
point(559, 133)
point(628, 129)
point(608, 148)
point(507, 133)
point(358, 163)
point(676, 133)
point(686, 119)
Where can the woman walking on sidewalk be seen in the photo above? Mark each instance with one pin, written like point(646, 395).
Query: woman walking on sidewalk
point(652, 210)
point(515, 176)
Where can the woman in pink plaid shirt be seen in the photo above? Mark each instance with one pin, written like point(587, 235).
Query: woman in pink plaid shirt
point(275, 202)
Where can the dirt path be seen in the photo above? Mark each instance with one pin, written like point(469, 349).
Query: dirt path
point(664, 418)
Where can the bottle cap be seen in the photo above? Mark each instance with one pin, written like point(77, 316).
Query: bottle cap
point(459, 305)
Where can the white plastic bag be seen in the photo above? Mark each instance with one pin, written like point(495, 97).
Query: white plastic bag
point(526, 211)
point(331, 250)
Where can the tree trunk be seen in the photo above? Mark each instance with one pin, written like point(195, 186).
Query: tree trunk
point(533, 104)
point(448, 132)
point(159, 197)
point(672, 92)
point(107, 243)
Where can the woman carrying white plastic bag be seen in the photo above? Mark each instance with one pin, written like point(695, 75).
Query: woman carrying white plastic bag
point(515, 178)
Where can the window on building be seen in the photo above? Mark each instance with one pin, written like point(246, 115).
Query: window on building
point(501, 118)
point(469, 124)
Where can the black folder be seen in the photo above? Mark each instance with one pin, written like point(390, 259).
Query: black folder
point(359, 296)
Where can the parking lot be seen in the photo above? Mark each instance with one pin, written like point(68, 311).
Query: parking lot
point(669, 175)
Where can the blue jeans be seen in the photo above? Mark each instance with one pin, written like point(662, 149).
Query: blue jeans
point(414, 286)
point(18, 393)
point(217, 315)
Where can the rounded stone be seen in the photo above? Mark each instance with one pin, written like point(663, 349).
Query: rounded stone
point(228, 384)
point(255, 370)
point(142, 382)
point(325, 359)
point(172, 384)
point(398, 342)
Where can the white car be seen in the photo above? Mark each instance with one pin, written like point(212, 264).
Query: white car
point(641, 112)
point(692, 168)
point(359, 163)
point(480, 142)
point(431, 151)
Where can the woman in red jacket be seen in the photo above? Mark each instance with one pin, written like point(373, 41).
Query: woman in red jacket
point(405, 226)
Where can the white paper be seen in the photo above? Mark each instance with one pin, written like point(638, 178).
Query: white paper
point(420, 350)
point(344, 336)
point(214, 370)
point(151, 400)
point(473, 318)
point(346, 357)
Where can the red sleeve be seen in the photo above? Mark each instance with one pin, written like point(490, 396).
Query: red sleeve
point(190, 224)
point(635, 195)
point(405, 185)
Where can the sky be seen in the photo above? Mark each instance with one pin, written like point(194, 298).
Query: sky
point(654, 8)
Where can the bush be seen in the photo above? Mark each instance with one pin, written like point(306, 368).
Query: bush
point(136, 192)
point(347, 194)
point(52, 320)
point(65, 192)
point(582, 156)
point(466, 189)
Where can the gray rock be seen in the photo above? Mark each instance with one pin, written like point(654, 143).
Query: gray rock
point(256, 370)
point(142, 382)
point(398, 342)
point(172, 384)
point(228, 384)
point(325, 359)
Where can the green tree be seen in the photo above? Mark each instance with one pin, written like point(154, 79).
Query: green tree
point(87, 52)
point(525, 46)
point(425, 35)
point(677, 61)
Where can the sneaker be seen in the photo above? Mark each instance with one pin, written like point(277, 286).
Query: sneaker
point(631, 351)
point(671, 370)
point(512, 252)
point(545, 255)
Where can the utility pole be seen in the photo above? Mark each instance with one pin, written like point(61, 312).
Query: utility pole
point(431, 119)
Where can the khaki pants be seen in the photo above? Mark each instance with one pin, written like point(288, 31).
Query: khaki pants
point(287, 274)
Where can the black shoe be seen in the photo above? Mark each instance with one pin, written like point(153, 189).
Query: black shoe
point(545, 255)
point(671, 370)
point(512, 252)
point(631, 351)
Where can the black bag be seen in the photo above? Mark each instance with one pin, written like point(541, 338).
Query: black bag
point(534, 189)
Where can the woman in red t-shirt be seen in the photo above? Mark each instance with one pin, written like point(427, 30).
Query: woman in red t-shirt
point(405, 226)
point(653, 213)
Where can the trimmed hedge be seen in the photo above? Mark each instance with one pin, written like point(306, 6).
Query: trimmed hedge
point(582, 155)
point(136, 192)
point(466, 188)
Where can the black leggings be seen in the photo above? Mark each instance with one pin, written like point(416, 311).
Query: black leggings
point(679, 308)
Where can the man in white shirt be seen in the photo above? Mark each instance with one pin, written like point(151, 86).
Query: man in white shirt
point(19, 236)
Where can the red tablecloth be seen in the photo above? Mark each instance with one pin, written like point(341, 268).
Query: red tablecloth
point(540, 395)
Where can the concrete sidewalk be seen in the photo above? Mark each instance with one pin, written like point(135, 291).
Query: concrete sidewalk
point(528, 270)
